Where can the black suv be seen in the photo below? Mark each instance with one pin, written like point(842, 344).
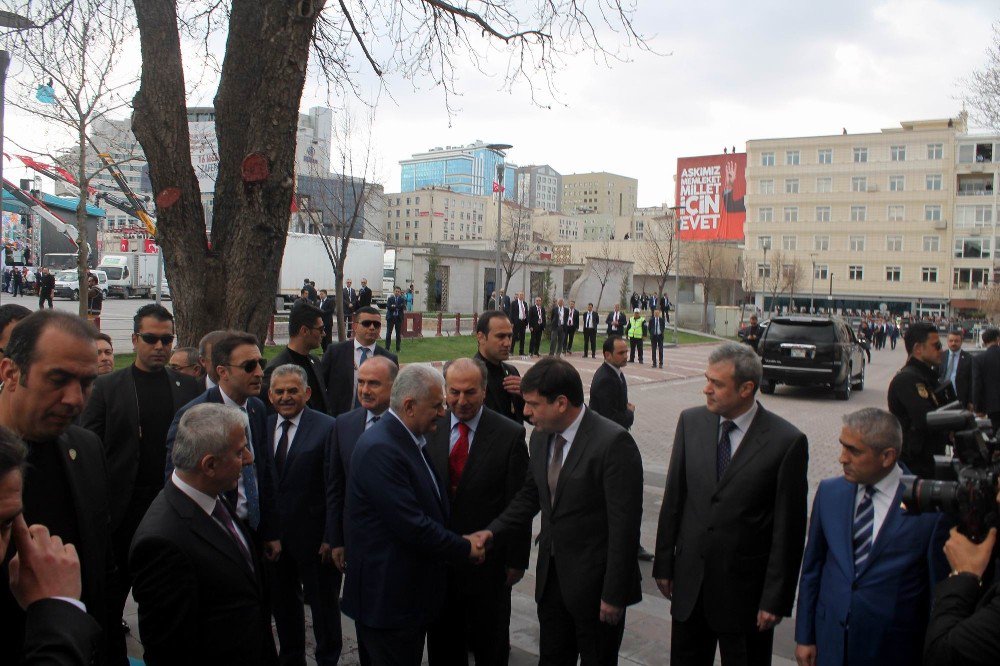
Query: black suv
point(812, 351)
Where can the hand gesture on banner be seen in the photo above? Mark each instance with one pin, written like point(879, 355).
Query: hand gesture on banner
point(730, 174)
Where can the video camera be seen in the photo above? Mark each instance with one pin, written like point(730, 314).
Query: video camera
point(967, 487)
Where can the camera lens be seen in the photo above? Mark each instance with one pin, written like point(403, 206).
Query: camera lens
point(929, 495)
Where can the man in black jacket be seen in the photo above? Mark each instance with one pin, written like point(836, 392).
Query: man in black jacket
point(364, 295)
point(305, 332)
point(591, 318)
point(519, 318)
point(536, 322)
point(616, 322)
point(608, 389)
point(327, 306)
point(985, 371)
point(494, 339)
point(572, 324)
point(395, 310)
point(46, 287)
point(341, 361)
point(956, 368)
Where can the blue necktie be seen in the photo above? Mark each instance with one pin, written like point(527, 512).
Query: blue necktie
point(249, 476)
point(364, 357)
point(864, 528)
point(724, 452)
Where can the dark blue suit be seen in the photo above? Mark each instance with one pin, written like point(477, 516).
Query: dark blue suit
point(269, 528)
point(302, 508)
point(398, 548)
point(878, 616)
point(346, 432)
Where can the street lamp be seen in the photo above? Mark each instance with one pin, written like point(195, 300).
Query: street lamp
point(812, 286)
point(498, 149)
point(677, 271)
point(767, 274)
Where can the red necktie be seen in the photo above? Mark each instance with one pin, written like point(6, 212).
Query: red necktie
point(458, 457)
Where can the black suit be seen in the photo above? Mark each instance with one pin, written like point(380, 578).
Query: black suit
point(732, 547)
point(590, 332)
point(338, 372)
point(616, 322)
point(589, 540)
point(963, 375)
point(328, 306)
point(536, 322)
point(318, 399)
point(609, 396)
point(57, 633)
point(572, 323)
point(985, 387)
point(520, 324)
point(395, 308)
point(963, 625)
point(199, 600)
point(656, 327)
point(302, 507)
point(346, 431)
point(557, 330)
point(505, 304)
point(478, 596)
point(364, 297)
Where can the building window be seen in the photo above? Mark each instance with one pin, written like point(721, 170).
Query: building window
point(859, 184)
point(973, 248)
point(792, 157)
point(765, 187)
point(824, 185)
point(763, 242)
point(932, 243)
point(860, 155)
point(896, 213)
point(822, 213)
point(763, 270)
point(974, 216)
point(767, 159)
point(791, 214)
point(897, 153)
point(934, 181)
point(416, 200)
point(928, 274)
point(791, 186)
point(857, 243)
point(932, 213)
point(896, 183)
point(894, 243)
point(821, 272)
point(935, 151)
point(855, 272)
point(825, 156)
point(416, 237)
point(859, 213)
point(821, 243)
point(789, 242)
point(970, 278)
point(893, 274)
point(765, 215)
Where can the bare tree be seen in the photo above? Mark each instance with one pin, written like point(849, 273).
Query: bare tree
point(982, 87)
point(989, 299)
point(70, 80)
point(792, 278)
point(656, 250)
point(515, 248)
point(711, 267)
point(602, 267)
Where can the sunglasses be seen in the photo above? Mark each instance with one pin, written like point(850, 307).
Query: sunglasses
point(370, 323)
point(251, 365)
point(152, 339)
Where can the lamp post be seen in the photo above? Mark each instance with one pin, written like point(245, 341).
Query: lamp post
point(767, 274)
point(498, 149)
point(812, 286)
point(677, 271)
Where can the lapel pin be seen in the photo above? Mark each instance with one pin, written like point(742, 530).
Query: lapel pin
point(72, 454)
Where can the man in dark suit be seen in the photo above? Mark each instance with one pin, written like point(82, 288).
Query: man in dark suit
point(585, 475)
point(494, 339)
point(536, 322)
point(557, 328)
point(956, 367)
point(657, 325)
point(912, 395)
point(241, 369)
point(985, 371)
point(590, 320)
point(350, 296)
point(505, 302)
point(131, 410)
point(327, 306)
point(342, 360)
point(301, 440)
point(395, 309)
point(865, 590)
point(305, 332)
point(198, 580)
point(519, 318)
point(572, 324)
point(65, 482)
point(483, 457)
point(211, 376)
point(398, 547)
point(733, 519)
point(616, 322)
point(364, 294)
point(751, 334)
point(608, 389)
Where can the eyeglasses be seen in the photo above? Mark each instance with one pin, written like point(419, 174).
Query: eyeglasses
point(370, 323)
point(152, 339)
point(251, 365)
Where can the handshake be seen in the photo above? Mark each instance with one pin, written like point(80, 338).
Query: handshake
point(481, 541)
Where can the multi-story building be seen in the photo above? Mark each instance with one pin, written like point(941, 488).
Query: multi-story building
point(470, 169)
point(903, 219)
point(338, 205)
point(433, 215)
point(539, 187)
point(600, 193)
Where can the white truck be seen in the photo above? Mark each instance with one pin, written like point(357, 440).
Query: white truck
point(388, 272)
point(306, 257)
point(130, 274)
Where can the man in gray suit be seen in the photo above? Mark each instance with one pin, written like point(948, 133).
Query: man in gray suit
point(733, 521)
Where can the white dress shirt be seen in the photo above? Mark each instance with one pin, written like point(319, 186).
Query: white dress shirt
point(206, 503)
point(421, 442)
point(370, 418)
point(569, 434)
point(742, 423)
point(242, 508)
point(291, 430)
point(473, 425)
point(882, 497)
point(521, 310)
point(588, 320)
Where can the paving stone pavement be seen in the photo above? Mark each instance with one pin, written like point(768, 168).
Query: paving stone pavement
point(660, 396)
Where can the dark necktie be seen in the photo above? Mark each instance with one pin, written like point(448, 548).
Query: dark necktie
point(555, 465)
point(373, 421)
point(221, 514)
point(724, 452)
point(364, 357)
point(864, 528)
point(458, 457)
point(281, 454)
point(249, 477)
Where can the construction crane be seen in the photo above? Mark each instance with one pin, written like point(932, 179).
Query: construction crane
point(41, 210)
point(131, 204)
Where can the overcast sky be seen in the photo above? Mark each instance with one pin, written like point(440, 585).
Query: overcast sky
point(738, 71)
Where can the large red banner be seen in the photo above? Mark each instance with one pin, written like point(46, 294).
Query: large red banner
point(710, 193)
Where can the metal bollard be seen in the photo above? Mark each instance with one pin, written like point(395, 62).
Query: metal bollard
point(440, 320)
point(458, 324)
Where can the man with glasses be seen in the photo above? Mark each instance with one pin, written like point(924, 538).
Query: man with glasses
point(305, 333)
point(131, 410)
point(342, 360)
point(185, 361)
point(912, 396)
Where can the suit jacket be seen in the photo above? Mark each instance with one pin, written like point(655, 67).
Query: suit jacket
point(660, 321)
point(572, 319)
point(397, 545)
point(622, 323)
point(963, 374)
point(505, 304)
point(269, 528)
point(515, 312)
point(364, 297)
point(199, 601)
point(609, 396)
point(112, 413)
point(887, 600)
point(963, 626)
point(736, 541)
point(554, 316)
point(58, 633)
point(302, 483)
point(536, 317)
point(395, 306)
point(328, 306)
point(338, 372)
point(595, 320)
point(592, 523)
point(985, 390)
point(317, 401)
point(346, 431)
point(350, 300)
point(494, 472)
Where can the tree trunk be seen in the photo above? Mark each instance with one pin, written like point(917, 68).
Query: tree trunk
point(83, 249)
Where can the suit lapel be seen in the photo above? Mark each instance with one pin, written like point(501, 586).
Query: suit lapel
point(478, 453)
point(74, 468)
point(206, 529)
point(753, 442)
point(538, 461)
point(889, 527)
point(703, 453)
point(132, 400)
point(295, 445)
point(438, 445)
point(576, 452)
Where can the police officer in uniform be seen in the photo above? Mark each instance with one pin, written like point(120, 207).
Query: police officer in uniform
point(636, 328)
point(912, 395)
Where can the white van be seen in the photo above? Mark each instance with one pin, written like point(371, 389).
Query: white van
point(68, 285)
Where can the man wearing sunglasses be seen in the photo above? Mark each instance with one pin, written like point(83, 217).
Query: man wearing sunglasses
point(342, 360)
point(305, 333)
point(131, 410)
point(912, 395)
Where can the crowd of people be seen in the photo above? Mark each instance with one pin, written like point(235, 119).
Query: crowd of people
point(397, 305)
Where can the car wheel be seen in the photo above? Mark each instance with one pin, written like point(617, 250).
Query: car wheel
point(843, 392)
point(767, 387)
point(75, 296)
point(860, 386)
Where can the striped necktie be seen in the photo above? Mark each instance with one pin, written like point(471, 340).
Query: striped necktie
point(864, 529)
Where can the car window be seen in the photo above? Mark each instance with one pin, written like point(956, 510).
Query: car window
point(804, 331)
point(66, 276)
point(114, 272)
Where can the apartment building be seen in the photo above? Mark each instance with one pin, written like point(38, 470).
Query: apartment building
point(539, 186)
point(903, 219)
point(600, 193)
point(433, 215)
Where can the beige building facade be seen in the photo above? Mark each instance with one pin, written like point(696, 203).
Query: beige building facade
point(433, 215)
point(602, 193)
